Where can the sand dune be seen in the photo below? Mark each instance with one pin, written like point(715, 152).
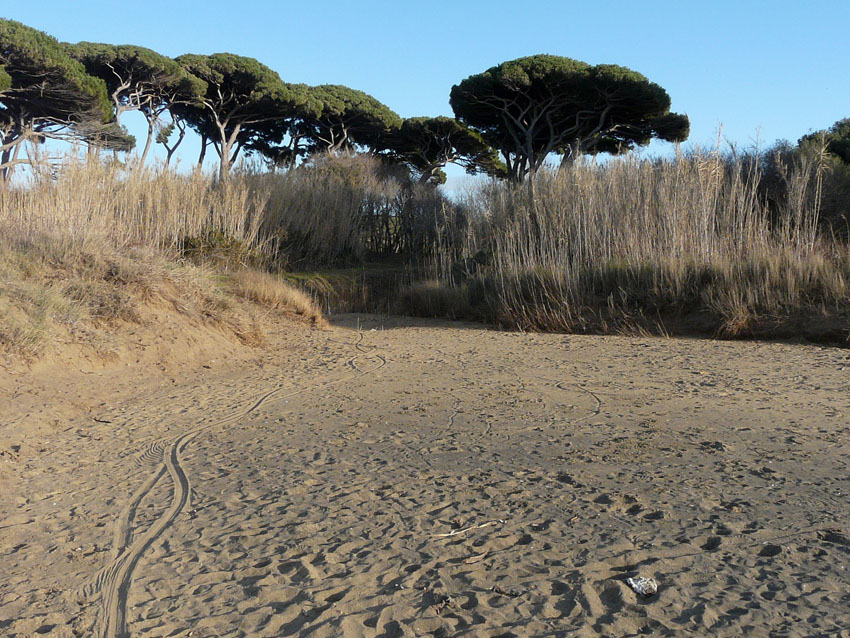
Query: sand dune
point(424, 479)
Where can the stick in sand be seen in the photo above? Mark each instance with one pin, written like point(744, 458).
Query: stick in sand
point(466, 529)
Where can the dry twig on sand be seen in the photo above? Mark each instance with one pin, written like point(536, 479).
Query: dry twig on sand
point(510, 593)
point(455, 532)
point(447, 601)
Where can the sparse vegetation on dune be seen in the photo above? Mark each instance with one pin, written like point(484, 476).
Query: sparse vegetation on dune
point(92, 248)
point(273, 292)
point(87, 295)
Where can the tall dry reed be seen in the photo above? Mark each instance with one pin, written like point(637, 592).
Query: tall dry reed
point(85, 201)
point(342, 209)
point(684, 243)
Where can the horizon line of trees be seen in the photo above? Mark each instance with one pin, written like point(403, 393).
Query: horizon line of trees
point(508, 119)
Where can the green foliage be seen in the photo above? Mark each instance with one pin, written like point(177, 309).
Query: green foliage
point(437, 178)
point(836, 138)
point(246, 104)
point(347, 117)
point(5, 79)
point(427, 144)
point(43, 93)
point(279, 139)
point(245, 86)
point(136, 77)
point(239, 76)
point(165, 132)
point(112, 136)
point(533, 106)
point(45, 82)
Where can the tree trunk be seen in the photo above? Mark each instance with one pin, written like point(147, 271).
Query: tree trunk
point(235, 155)
point(337, 145)
point(5, 166)
point(570, 155)
point(204, 142)
point(171, 149)
point(10, 152)
point(226, 151)
point(224, 159)
point(11, 168)
point(148, 143)
point(427, 174)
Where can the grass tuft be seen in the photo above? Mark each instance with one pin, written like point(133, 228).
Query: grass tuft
point(271, 291)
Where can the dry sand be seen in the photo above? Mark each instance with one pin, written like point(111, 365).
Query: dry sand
point(427, 479)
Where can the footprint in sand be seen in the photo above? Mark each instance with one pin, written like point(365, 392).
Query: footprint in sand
point(712, 543)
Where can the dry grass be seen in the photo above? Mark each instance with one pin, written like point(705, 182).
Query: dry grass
point(92, 247)
point(53, 295)
point(89, 200)
point(680, 245)
point(340, 210)
point(272, 292)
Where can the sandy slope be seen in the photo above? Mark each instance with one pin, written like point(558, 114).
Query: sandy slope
point(434, 479)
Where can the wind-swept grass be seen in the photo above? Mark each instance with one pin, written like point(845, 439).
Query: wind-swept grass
point(271, 291)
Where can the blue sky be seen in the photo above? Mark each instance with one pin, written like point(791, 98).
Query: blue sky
point(772, 70)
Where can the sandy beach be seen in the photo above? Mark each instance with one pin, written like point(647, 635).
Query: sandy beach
point(394, 477)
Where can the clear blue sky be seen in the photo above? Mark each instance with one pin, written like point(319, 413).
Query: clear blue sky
point(775, 70)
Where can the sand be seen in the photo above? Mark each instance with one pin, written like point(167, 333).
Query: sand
point(391, 477)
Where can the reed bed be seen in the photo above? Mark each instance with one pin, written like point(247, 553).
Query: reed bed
point(84, 201)
point(686, 244)
point(340, 210)
point(689, 244)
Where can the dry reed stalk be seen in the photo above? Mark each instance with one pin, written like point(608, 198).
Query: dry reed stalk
point(632, 243)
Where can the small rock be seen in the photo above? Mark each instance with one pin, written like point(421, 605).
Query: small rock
point(646, 587)
point(770, 550)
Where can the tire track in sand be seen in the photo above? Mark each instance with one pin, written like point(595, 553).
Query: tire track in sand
point(114, 580)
